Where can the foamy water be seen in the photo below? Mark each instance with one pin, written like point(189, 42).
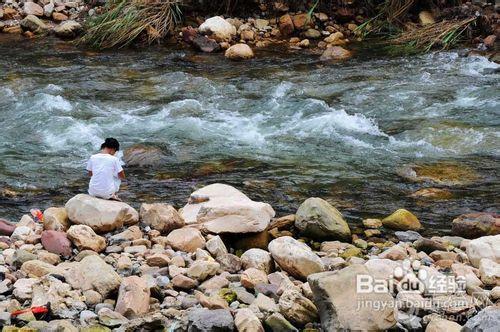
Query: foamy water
point(298, 122)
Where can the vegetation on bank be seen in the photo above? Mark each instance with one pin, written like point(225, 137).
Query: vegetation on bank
point(148, 21)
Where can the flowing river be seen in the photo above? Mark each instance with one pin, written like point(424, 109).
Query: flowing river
point(281, 127)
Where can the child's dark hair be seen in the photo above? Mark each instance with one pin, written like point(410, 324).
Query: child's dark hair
point(111, 143)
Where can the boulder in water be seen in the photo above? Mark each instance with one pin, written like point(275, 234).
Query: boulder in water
point(68, 29)
point(34, 24)
point(317, 219)
point(143, 155)
point(335, 53)
point(474, 225)
point(239, 52)
point(221, 29)
point(100, 214)
point(227, 210)
point(402, 220)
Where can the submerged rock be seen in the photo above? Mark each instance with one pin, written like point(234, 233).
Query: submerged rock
point(317, 219)
point(441, 173)
point(143, 155)
point(295, 257)
point(402, 220)
point(474, 225)
point(100, 214)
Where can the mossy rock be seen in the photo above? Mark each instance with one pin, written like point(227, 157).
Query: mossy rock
point(228, 294)
point(402, 220)
point(351, 252)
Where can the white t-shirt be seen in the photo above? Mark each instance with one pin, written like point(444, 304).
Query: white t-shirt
point(104, 181)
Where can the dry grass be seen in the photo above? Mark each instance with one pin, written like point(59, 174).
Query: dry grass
point(444, 34)
point(125, 20)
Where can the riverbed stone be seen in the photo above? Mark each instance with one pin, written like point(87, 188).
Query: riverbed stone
point(92, 273)
point(141, 155)
point(474, 225)
point(37, 268)
point(245, 320)
point(337, 298)
point(257, 258)
point(317, 219)
point(224, 209)
point(31, 8)
point(219, 28)
point(6, 227)
point(186, 239)
point(34, 24)
point(56, 242)
point(335, 53)
point(84, 238)
point(204, 320)
point(489, 271)
point(486, 320)
point(68, 29)
point(56, 218)
point(239, 52)
point(295, 257)
point(277, 323)
point(160, 216)
point(100, 214)
point(133, 297)
point(484, 247)
point(402, 220)
point(297, 308)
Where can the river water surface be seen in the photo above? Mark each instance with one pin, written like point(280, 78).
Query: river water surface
point(282, 127)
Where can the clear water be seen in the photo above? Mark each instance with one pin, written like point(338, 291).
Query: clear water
point(281, 128)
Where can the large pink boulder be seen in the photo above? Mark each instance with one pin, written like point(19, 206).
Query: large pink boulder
point(56, 242)
point(6, 228)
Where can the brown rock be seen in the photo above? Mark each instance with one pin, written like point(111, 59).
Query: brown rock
point(56, 242)
point(186, 239)
point(59, 17)
point(36, 268)
point(489, 41)
point(160, 260)
point(133, 297)
point(83, 237)
point(6, 228)
point(56, 219)
point(474, 225)
point(183, 282)
point(160, 216)
point(335, 53)
point(31, 8)
point(239, 52)
point(9, 13)
point(252, 277)
point(301, 21)
point(286, 25)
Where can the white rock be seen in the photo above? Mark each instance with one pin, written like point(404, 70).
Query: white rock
point(489, 272)
point(484, 247)
point(219, 27)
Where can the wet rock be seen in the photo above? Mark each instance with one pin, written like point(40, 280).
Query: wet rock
point(239, 52)
point(34, 24)
point(484, 247)
point(92, 273)
point(402, 220)
point(277, 323)
point(204, 320)
point(486, 320)
point(335, 53)
point(295, 257)
point(186, 239)
point(372, 223)
point(432, 193)
point(55, 219)
point(205, 44)
point(31, 8)
point(335, 39)
point(219, 28)
point(133, 297)
point(257, 258)
point(141, 155)
point(227, 210)
point(68, 30)
point(246, 321)
point(441, 173)
point(338, 306)
point(474, 225)
point(286, 25)
point(297, 308)
point(317, 219)
point(99, 214)
point(84, 238)
point(56, 242)
point(160, 216)
point(6, 228)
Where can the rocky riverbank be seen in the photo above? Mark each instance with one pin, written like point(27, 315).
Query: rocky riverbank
point(224, 262)
point(326, 35)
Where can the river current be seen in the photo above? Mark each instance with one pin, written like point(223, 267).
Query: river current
point(281, 127)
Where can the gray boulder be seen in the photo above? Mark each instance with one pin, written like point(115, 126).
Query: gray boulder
point(204, 320)
point(485, 321)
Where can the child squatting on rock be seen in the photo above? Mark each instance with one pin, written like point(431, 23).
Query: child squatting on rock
point(105, 171)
